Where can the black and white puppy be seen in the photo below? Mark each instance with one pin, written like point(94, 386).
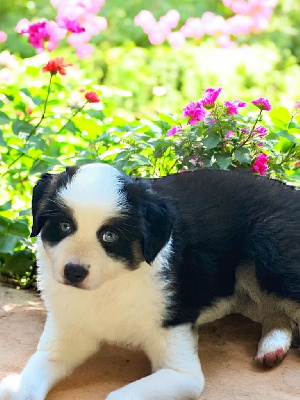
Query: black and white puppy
point(142, 262)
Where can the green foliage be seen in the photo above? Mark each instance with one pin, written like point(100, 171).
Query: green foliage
point(63, 132)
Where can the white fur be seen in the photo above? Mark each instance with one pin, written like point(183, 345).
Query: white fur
point(276, 339)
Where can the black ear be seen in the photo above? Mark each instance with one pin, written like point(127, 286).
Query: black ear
point(158, 219)
point(38, 193)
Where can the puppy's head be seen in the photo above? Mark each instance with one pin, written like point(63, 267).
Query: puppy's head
point(94, 223)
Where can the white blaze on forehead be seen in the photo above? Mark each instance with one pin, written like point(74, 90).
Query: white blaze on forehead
point(95, 185)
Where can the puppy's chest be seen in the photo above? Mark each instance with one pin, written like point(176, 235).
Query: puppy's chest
point(121, 312)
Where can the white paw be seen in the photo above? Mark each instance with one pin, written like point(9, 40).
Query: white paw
point(11, 388)
point(273, 347)
point(120, 395)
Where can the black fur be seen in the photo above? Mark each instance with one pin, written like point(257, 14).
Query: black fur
point(226, 218)
point(44, 200)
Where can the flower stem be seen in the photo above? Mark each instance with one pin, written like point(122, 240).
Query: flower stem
point(251, 132)
point(70, 119)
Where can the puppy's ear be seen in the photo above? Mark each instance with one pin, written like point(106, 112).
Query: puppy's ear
point(38, 193)
point(158, 218)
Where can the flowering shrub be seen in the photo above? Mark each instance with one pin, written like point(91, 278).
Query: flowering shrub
point(60, 123)
point(216, 135)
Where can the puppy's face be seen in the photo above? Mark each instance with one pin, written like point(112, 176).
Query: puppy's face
point(94, 223)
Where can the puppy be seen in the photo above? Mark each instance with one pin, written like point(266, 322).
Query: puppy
point(143, 262)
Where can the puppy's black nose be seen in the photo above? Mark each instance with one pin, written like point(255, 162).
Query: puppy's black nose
point(75, 273)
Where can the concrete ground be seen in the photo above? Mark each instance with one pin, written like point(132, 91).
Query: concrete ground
point(227, 349)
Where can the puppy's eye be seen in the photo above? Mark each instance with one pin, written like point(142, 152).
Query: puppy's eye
point(109, 237)
point(65, 227)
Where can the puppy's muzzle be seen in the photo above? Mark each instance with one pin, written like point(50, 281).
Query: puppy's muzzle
point(75, 273)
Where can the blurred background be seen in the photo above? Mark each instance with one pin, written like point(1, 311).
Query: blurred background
point(161, 77)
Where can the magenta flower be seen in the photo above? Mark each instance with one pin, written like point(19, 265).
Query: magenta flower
point(41, 33)
point(210, 96)
point(261, 130)
point(70, 25)
point(229, 134)
point(38, 32)
point(262, 103)
point(172, 131)
point(260, 164)
point(243, 130)
point(233, 106)
point(195, 111)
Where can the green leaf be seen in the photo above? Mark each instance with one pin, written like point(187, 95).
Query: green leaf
point(1, 103)
point(18, 263)
point(33, 71)
point(168, 118)
point(242, 155)
point(8, 243)
point(283, 145)
point(4, 119)
point(6, 206)
point(279, 115)
point(223, 160)
point(97, 114)
point(19, 126)
point(2, 141)
point(288, 136)
point(38, 167)
point(72, 127)
point(19, 228)
point(140, 159)
point(211, 140)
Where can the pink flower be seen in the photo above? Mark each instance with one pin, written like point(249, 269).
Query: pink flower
point(262, 103)
point(70, 25)
point(176, 39)
point(260, 164)
point(174, 130)
point(297, 108)
point(261, 130)
point(171, 19)
point(233, 106)
point(195, 111)
point(243, 130)
point(146, 20)
point(229, 134)
point(210, 96)
point(3, 36)
point(92, 97)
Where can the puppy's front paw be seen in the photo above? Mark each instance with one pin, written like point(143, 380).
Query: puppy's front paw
point(11, 388)
point(120, 395)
